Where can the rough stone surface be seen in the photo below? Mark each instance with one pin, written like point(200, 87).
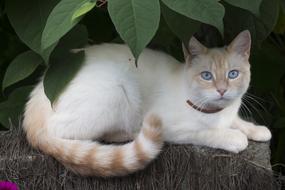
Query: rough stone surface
point(178, 167)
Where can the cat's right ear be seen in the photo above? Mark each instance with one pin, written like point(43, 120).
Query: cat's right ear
point(194, 48)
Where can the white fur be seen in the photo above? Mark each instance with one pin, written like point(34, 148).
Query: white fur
point(110, 93)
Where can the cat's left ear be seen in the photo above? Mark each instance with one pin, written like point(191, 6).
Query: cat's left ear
point(241, 44)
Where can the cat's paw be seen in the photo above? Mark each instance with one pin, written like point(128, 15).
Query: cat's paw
point(260, 133)
point(234, 141)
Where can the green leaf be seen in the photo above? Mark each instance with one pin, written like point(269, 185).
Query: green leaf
point(62, 61)
point(21, 67)
point(267, 62)
point(250, 5)
point(269, 11)
point(282, 5)
point(180, 25)
point(206, 11)
point(86, 7)
point(280, 123)
point(28, 18)
point(165, 40)
point(237, 19)
point(136, 21)
point(54, 80)
point(75, 38)
point(280, 25)
point(60, 21)
point(11, 109)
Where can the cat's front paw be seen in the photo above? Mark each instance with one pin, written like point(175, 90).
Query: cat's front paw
point(234, 141)
point(260, 133)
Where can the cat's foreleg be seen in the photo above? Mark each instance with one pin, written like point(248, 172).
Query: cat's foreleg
point(232, 140)
point(252, 131)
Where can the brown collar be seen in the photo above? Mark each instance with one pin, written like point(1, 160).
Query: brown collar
point(202, 109)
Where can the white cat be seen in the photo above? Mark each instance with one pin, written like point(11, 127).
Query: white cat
point(111, 99)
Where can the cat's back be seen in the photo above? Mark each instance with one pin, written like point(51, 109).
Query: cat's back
point(115, 62)
point(108, 52)
point(118, 54)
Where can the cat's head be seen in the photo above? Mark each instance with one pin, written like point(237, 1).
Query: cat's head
point(217, 77)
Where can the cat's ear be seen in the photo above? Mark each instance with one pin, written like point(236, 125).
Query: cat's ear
point(185, 51)
point(194, 48)
point(241, 44)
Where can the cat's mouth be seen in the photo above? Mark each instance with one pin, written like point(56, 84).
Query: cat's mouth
point(222, 99)
point(221, 102)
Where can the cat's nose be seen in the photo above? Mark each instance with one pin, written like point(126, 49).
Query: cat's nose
point(221, 91)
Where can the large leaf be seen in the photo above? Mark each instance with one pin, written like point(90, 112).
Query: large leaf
point(21, 67)
point(136, 21)
point(62, 61)
point(280, 123)
point(250, 5)
point(237, 19)
point(83, 9)
point(11, 109)
point(182, 26)
point(75, 38)
point(280, 25)
point(165, 40)
point(60, 73)
point(267, 68)
point(206, 11)
point(10, 47)
point(63, 17)
point(28, 18)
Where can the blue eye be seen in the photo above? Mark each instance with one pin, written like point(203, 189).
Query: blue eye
point(233, 74)
point(206, 75)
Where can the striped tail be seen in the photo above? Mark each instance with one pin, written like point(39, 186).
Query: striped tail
point(94, 159)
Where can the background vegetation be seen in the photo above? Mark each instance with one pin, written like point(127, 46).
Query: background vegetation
point(36, 36)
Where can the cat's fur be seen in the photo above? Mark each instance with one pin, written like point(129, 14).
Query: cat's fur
point(111, 99)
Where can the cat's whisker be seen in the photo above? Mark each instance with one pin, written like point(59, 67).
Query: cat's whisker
point(244, 111)
point(203, 102)
point(254, 96)
point(254, 100)
point(246, 107)
point(256, 110)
